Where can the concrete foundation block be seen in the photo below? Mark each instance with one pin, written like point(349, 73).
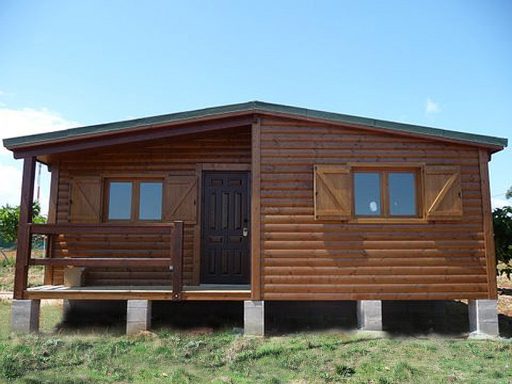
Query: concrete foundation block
point(138, 316)
point(483, 317)
point(369, 315)
point(254, 318)
point(25, 316)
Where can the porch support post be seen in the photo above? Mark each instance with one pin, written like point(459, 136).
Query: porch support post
point(24, 243)
point(177, 259)
point(369, 315)
point(483, 318)
point(138, 316)
point(254, 318)
point(25, 316)
point(256, 293)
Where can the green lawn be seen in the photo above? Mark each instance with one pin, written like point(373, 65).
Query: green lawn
point(225, 357)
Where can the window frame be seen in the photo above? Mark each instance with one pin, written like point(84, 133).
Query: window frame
point(135, 203)
point(384, 172)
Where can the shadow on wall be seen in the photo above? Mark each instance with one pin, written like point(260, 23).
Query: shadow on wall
point(400, 318)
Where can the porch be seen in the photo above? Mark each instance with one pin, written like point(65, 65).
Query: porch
point(169, 234)
point(204, 292)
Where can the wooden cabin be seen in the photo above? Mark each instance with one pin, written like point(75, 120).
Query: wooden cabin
point(260, 202)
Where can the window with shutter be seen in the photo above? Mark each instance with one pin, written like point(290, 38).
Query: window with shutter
point(332, 192)
point(86, 199)
point(443, 193)
point(181, 198)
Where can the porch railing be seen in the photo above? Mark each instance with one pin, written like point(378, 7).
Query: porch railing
point(174, 262)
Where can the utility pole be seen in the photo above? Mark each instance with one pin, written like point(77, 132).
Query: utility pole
point(38, 195)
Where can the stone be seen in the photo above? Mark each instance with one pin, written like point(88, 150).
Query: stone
point(483, 318)
point(73, 276)
point(369, 315)
point(138, 316)
point(254, 318)
point(25, 316)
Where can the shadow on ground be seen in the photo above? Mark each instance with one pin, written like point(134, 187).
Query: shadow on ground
point(400, 318)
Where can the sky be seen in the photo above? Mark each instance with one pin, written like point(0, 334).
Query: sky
point(444, 64)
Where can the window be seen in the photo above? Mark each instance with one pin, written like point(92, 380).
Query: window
point(385, 193)
point(364, 192)
point(367, 194)
point(120, 201)
point(137, 200)
point(402, 193)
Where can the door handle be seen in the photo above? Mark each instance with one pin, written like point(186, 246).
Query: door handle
point(245, 232)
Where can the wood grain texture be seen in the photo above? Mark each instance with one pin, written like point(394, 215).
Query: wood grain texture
point(443, 193)
point(332, 192)
point(52, 219)
point(295, 255)
point(490, 251)
point(305, 258)
point(256, 264)
point(24, 244)
point(135, 135)
point(181, 197)
point(163, 158)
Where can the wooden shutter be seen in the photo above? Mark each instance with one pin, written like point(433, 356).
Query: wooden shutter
point(86, 199)
point(181, 198)
point(443, 193)
point(332, 192)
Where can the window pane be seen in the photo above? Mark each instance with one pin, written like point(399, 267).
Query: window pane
point(120, 201)
point(402, 194)
point(367, 194)
point(150, 205)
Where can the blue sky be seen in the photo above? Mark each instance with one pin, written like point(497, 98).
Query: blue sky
point(439, 63)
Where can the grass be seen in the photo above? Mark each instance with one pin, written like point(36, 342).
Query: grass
point(103, 355)
point(35, 277)
point(74, 357)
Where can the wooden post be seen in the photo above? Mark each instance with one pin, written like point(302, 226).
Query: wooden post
point(24, 243)
point(177, 259)
point(256, 211)
point(52, 219)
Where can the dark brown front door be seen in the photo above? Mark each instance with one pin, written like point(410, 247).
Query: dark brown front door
point(225, 245)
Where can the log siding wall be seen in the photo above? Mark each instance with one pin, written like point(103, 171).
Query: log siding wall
point(303, 258)
point(178, 156)
point(308, 259)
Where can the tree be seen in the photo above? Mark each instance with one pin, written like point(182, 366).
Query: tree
point(502, 223)
point(9, 219)
point(508, 195)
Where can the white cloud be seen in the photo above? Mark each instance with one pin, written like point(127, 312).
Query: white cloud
point(28, 121)
point(19, 122)
point(11, 184)
point(500, 203)
point(431, 107)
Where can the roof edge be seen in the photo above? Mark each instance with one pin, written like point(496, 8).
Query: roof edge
point(19, 142)
point(437, 133)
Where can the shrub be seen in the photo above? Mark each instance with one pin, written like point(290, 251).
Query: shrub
point(502, 223)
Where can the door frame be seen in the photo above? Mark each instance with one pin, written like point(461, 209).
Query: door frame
point(200, 168)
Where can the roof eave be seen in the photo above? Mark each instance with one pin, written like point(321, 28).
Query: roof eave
point(20, 145)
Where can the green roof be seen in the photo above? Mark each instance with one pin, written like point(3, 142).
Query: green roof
point(251, 107)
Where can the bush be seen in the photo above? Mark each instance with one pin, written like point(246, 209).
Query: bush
point(502, 223)
point(9, 219)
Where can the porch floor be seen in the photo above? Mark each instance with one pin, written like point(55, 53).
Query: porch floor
point(199, 292)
